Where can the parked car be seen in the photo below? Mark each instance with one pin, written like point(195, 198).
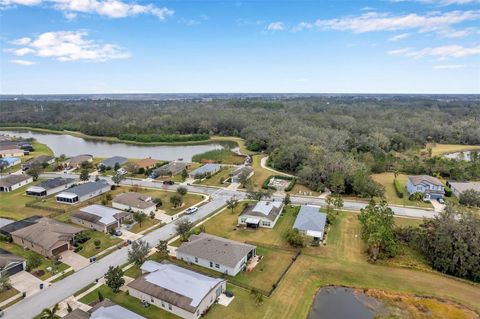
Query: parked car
point(121, 171)
point(168, 182)
point(441, 201)
point(191, 210)
point(118, 233)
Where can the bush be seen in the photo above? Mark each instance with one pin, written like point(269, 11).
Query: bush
point(295, 238)
point(448, 191)
point(398, 188)
point(97, 243)
point(78, 248)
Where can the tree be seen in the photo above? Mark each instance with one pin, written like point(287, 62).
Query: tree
point(470, 197)
point(152, 215)
point(5, 283)
point(97, 243)
point(118, 178)
point(162, 249)
point(84, 175)
point(131, 168)
point(182, 190)
point(232, 203)
point(337, 182)
point(33, 261)
point(176, 200)
point(114, 278)
point(364, 186)
point(183, 227)
point(116, 167)
point(49, 313)
point(138, 252)
point(338, 202)
point(295, 238)
point(158, 202)
point(377, 229)
point(34, 171)
point(139, 217)
point(287, 200)
point(259, 194)
point(100, 295)
point(184, 174)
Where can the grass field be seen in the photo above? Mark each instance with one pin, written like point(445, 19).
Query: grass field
point(145, 225)
point(12, 204)
point(261, 174)
point(7, 294)
point(106, 241)
point(222, 156)
point(386, 179)
point(218, 178)
point(438, 149)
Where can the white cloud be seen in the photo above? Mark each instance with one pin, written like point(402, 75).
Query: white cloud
point(442, 52)
point(449, 66)
point(276, 26)
point(302, 26)
point(70, 46)
point(21, 41)
point(108, 8)
point(22, 62)
point(399, 37)
point(374, 21)
point(454, 33)
point(441, 2)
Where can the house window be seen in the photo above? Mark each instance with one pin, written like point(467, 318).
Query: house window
point(196, 259)
point(170, 307)
point(217, 266)
point(163, 304)
point(151, 300)
point(211, 264)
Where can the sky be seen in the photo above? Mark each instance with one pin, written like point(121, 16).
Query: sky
point(258, 46)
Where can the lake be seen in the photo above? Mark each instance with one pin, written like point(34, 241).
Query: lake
point(343, 303)
point(72, 145)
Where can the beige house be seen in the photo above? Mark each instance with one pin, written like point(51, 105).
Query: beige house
point(100, 218)
point(135, 202)
point(46, 236)
point(12, 152)
point(76, 161)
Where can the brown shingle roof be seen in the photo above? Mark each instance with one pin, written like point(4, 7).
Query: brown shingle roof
point(146, 163)
point(134, 199)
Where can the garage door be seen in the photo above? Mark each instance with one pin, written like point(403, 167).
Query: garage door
point(12, 270)
point(59, 249)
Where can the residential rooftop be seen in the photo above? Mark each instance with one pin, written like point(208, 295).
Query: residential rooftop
point(463, 186)
point(264, 209)
point(207, 168)
point(53, 183)
point(110, 162)
point(311, 221)
point(7, 258)
point(12, 179)
point(99, 214)
point(420, 179)
point(87, 188)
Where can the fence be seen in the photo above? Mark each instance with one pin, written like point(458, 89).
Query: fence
point(55, 211)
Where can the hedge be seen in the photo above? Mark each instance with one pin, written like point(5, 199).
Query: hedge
point(448, 191)
point(398, 188)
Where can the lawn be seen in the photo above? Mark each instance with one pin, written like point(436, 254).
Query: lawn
point(12, 205)
point(438, 149)
point(222, 156)
point(188, 200)
point(386, 179)
point(147, 223)
point(261, 174)
point(128, 302)
point(7, 294)
point(106, 241)
point(217, 179)
point(19, 251)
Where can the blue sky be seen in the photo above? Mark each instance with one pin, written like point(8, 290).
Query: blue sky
point(123, 46)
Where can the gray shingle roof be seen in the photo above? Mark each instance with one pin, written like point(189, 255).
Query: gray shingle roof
point(7, 258)
point(461, 187)
point(12, 179)
point(87, 188)
point(207, 168)
point(419, 179)
point(216, 249)
point(310, 219)
point(134, 199)
point(264, 209)
point(55, 182)
point(110, 162)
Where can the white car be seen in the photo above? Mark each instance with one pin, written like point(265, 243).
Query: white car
point(191, 210)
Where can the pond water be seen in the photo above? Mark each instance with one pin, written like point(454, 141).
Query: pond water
point(343, 303)
point(72, 145)
point(462, 156)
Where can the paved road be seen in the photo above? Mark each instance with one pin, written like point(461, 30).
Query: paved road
point(31, 306)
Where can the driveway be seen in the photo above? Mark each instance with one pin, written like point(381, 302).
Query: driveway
point(437, 207)
point(74, 260)
point(26, 282)
point(128, 235)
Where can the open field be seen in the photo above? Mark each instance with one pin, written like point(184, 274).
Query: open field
point(439, 149)
point(261, 174)
point(218, 178)
point(222, 156)
point(12, 204)
point(106, 241)
point(386, 179)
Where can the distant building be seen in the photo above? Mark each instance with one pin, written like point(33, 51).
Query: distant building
point(10, 264)
point(76, 161)
point(135, 202)
point(263, 214)
point(110, 163)
point(10, 161)
point(146, 163)
point(8, 227)
point(39, 160)
point(216, 253)
point(170, 169)
point(12, 182)
point(99, 217)
point(11, 152)
point(311, 222)
point(429, 186)
point(103, 310)
point(51, 186)
point(243, 172)
point(459, 187)
point(46, 236)
point(83, 192)
point(204, 170)
point(177, 290)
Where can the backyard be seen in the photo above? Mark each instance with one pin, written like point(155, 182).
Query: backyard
point(106, 240)
point(222, 156)
point(218, 178)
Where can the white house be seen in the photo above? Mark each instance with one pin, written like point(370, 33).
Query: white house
point(180, 291)
point(12, 182)
point(83, 192)
point(204, 170)
point(51, 186)
point(135, 202)
point(429, 186)
point(99, 217)
point(217, 253)
point(263, 214)
point(311, 222)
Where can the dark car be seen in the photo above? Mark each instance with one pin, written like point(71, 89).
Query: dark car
point(168, 182)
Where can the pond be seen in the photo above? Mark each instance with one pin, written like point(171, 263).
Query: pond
point(72, 145)
point(343, 303)
point(462, 156)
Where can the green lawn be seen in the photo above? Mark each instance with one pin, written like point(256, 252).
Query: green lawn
point(133, 272)
point(146, 224)
point(12, 205)
point(218, 179)
point(106, 241)
point(128, 302)
point(188, 200)
point(9, 293)
point(222, 156)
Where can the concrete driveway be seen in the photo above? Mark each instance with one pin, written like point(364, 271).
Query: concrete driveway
point(26, 282)
point(128, 235)
point(74, 260)
point(437, 207)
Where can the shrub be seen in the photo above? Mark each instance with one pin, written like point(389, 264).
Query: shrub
point(398, 188)
point(295, 238)
point(448, 191)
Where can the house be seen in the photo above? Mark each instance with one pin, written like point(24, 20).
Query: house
point(39, 160)
point(110, 163)
point(9, 161)
point(83, 192)
point(311, 222)
point(217, 253)
point(146, 163)
point(429, 186)
point(135, 202)
point(8, 227)
point(76, 161)
point(46, 236)
point(459, 187)
point(10, 264)
point(100, 218)
point(170, 169)
point(180, 291)
point(207, 169)
point(51, 186)
point(11, 182)
point(103, 310)
point(243, 172)
point(11, 152)
point(263, 214)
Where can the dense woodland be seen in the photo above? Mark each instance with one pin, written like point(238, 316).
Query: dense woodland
point(327, 141)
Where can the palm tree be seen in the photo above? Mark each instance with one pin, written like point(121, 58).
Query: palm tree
point(49, 313)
